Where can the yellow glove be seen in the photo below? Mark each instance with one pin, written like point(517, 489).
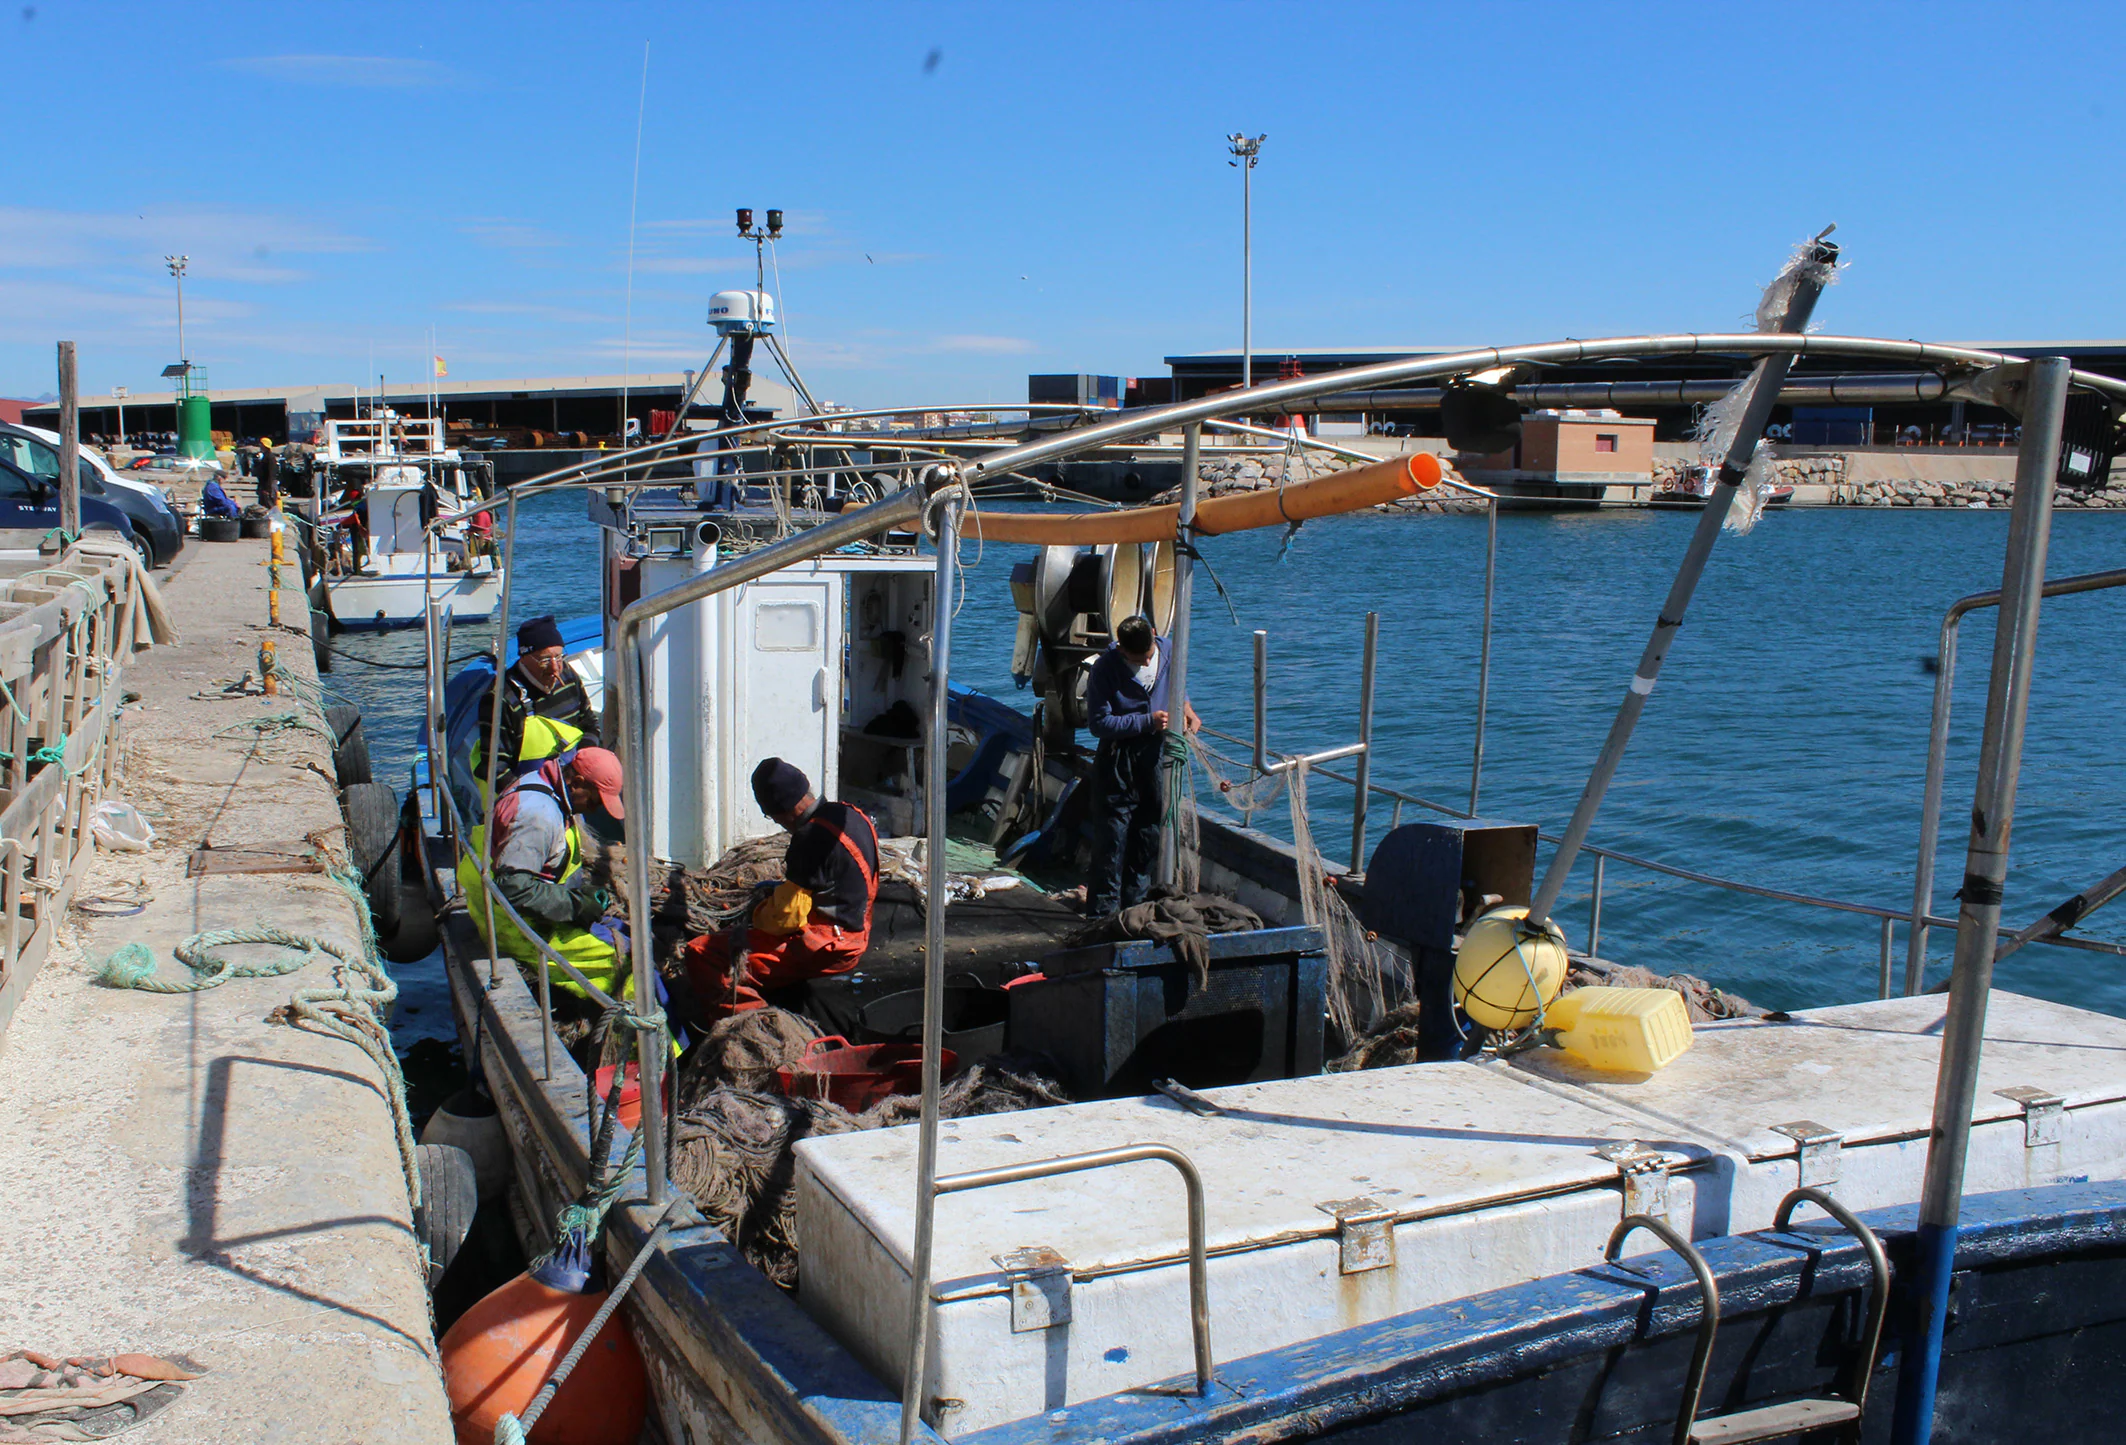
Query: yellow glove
point(787, 910)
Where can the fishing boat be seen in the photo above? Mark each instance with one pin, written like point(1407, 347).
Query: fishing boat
point(1220, 1238)
point(374, 561)
point(1693, 488)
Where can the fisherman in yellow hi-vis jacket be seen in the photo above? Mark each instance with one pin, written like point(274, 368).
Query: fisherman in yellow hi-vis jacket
point(533, 844)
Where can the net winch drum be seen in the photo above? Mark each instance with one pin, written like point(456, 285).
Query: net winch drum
point(1121, 586)
point(1155, 588)
point(1052, 607)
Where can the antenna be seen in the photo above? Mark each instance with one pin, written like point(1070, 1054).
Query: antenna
point(627, 322)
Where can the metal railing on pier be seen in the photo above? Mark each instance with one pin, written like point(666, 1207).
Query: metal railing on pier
point(66, 634)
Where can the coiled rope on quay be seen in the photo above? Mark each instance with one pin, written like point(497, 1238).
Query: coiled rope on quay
point(351, 1009)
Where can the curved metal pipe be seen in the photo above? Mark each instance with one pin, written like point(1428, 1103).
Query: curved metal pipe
point(1199, 1269)
point(1275, 396)
point(1709, 1323)
point(903, 506)
point(1886, 388)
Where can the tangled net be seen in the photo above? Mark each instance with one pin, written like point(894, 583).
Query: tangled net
point(734, 1137)
point(1366, 979)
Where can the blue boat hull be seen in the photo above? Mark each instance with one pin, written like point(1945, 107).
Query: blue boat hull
point(2037, 1342)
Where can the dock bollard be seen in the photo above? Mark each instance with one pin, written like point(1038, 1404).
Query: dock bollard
point(273, 571)
point(268, 678)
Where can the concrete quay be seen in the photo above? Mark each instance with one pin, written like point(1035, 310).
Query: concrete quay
point(187, 1177)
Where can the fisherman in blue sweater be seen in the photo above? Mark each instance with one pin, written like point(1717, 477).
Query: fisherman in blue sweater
point(1126, 708)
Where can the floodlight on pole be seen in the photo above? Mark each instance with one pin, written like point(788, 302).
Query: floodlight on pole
point(177, 272)
point(1247, 151)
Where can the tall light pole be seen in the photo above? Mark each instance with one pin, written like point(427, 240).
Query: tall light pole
point(1247, 151)
point(177, 270)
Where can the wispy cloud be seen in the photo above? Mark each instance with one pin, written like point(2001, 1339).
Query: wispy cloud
point(689, 265)
point(365, 72)
point(985, 345)
point(509, 233)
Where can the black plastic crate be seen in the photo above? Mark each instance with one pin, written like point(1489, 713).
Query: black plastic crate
point(1116, 1016)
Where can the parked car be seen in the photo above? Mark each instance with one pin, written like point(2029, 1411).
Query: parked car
point(111, 475)
point(29, 499)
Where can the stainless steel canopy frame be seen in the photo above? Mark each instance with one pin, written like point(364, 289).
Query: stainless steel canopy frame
point(932, 479)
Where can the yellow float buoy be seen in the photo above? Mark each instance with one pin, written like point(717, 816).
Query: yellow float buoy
point(1506, 973)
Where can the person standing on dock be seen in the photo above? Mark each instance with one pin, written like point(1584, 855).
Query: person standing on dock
point(816, 922)
point(1126, 709)
point(539, 684)
point(268, 475)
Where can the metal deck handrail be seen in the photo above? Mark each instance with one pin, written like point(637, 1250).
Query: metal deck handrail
point(1199, 1269)
point(1938, 762)
point(950, 481)
point(632, 686)
point(1889, 916)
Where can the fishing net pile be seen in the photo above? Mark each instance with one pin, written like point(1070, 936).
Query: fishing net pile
point(1182, 921)
point(734, 1133)
point(702, 900)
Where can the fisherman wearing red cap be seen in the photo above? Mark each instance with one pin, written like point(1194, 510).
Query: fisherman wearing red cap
point(535, 853)
point(816, 922)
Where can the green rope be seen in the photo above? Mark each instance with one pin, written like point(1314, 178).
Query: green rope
point(9, 693)
point(288, 720)
point(1174, 747)
point(133, 966)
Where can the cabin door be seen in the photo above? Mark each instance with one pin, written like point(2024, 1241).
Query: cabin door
point(788, 690)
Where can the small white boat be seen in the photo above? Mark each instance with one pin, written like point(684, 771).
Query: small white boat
point(386, 476)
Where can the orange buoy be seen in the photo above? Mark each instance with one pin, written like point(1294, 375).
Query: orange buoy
point(501, 1351)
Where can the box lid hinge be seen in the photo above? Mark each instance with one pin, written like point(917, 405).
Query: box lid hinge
point(1040, 1287)
point(1816, 1152)
point(1365, 1234)
point(1644, 1173)
point(2044, 1114)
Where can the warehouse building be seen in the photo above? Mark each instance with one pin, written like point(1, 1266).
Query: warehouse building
point(1666, 390)
point(533, 412)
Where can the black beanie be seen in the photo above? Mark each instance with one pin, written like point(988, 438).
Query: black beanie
point(778, 786)
point(537, 633)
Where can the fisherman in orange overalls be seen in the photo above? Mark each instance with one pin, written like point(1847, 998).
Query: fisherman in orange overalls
point(815, 924)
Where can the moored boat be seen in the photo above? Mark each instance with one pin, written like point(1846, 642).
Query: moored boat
point(375, 559)
point(1453, 1245)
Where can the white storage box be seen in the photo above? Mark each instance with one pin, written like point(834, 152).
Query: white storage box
point(1485, 1180)
point(1864, 1075)
point(1486, 1175)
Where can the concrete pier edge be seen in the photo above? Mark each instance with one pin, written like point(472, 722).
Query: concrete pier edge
point(193, 1178)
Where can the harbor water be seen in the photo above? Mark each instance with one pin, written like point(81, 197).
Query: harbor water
point(1785, 745)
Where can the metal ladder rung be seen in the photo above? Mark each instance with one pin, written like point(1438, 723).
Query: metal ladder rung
point(1773, 1422)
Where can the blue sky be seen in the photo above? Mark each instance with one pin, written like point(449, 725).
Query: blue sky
point(1051, 194)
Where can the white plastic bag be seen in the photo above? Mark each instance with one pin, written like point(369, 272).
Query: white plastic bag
point(120, 828)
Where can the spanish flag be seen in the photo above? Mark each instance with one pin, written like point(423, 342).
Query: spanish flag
point(441, 369)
